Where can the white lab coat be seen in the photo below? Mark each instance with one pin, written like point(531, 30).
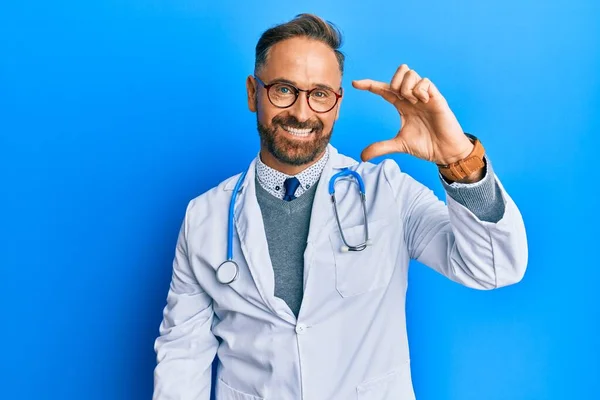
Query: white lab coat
point(349, 341)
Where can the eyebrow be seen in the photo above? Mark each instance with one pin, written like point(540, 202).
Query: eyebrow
point(317, 85)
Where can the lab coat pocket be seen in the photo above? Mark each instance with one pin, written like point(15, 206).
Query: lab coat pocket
point(226, 392)
point(395, 385)
point(358, 272)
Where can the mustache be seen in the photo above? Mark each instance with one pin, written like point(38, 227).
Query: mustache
point(293, 122)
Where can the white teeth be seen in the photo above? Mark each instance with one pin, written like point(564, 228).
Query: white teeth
point(298, 132)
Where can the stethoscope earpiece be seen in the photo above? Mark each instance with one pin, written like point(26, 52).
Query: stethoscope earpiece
point(346, 249)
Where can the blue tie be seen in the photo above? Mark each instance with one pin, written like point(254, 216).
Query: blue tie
point(290, 184)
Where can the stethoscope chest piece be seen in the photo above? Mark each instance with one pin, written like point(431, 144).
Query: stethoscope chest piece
point(227, 272)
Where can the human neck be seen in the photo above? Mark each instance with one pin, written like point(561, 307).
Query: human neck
point(291, 170)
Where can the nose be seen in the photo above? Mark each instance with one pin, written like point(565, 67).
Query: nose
point(300, 109)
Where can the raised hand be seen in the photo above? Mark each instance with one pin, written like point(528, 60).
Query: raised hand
point(429, 129)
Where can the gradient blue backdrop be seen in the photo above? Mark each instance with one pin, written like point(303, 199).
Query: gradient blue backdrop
point(114, 114)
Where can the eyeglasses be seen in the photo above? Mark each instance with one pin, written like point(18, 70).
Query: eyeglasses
point(284, 95)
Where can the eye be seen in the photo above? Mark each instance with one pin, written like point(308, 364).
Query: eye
point(322, 94)
point(283, 89)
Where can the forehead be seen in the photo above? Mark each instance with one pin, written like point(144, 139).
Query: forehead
point(304, 61)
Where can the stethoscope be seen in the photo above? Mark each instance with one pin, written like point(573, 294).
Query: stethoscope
point(229, 270)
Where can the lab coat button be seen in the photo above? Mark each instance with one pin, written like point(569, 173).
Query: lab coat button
point(300, 328)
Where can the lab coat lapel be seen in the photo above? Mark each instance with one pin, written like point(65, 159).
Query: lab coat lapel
point(251, 230)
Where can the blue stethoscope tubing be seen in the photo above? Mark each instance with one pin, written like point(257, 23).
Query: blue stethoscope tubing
point(229, 270)
point(363, 199)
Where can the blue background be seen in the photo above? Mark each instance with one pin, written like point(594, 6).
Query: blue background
point(114, 114)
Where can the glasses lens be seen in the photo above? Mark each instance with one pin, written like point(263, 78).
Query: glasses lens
point(322, 100)
point(282, 94)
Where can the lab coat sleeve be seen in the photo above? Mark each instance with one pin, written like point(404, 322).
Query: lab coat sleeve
point(186, 346)
point(454, 241)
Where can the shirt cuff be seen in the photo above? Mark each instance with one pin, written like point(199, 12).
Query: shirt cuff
point(484, 198)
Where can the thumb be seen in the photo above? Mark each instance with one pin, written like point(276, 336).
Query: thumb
point(383, 148)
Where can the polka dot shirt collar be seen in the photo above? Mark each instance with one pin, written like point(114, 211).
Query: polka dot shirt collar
point(272, 180)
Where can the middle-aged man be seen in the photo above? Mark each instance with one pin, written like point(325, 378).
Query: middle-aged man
point(291, 297)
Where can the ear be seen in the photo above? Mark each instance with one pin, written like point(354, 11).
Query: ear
point(251, 92)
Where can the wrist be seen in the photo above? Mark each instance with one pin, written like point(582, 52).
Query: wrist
point(467, 168)
point(465, 151)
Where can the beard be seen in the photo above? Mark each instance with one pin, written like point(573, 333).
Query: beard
point(289, 151)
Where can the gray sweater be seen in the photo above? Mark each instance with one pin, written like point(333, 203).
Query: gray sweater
point(287, 222)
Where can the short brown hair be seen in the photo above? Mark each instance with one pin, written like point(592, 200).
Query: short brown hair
point(303, 25)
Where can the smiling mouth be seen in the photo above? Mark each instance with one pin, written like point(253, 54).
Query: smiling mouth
point(298, 132)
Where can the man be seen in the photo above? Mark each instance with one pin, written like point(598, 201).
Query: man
point(308, 313)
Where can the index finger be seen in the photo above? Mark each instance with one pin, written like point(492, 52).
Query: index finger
point(381, 88)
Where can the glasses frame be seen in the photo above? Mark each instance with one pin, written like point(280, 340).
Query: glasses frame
point(297, 93)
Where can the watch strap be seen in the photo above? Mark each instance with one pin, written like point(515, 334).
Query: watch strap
point(465, 167)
